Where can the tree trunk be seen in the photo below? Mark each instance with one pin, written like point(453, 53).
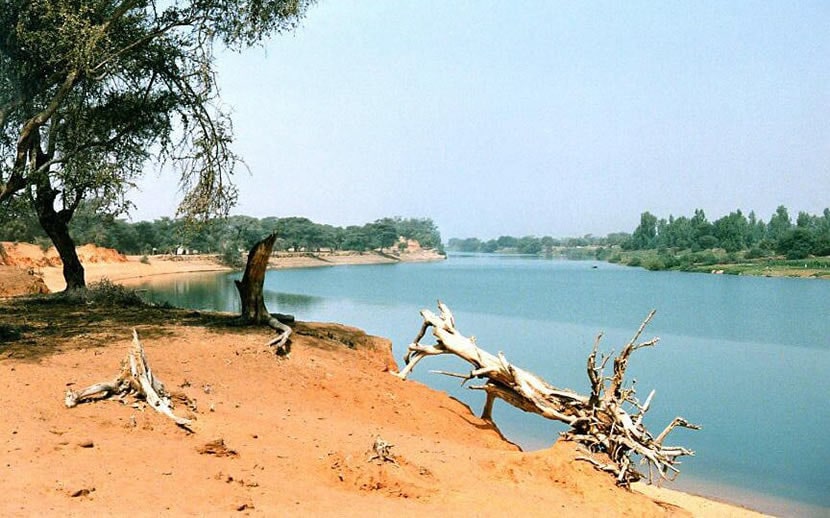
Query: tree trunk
point(56, 226)
point(250, 287)
point(251, 297)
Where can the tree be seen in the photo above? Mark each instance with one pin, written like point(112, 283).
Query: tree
point(796, 243)
point(702, 231)
point(91, 89)
point(383, 233)
point(645, 234)
point(779, 224)
point(529, 245)
point(732, 231)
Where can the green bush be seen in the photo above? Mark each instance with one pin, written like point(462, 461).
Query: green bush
point(755, 253)
point(231, 257)
point(107, 293)
point(706, 258)
point(655, 264)
point(144, 259)
point(44, 243)
point(635, 261)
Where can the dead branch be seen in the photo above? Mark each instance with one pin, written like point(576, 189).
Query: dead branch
point(135, 379)
point(607, 421)
point(281, 344)
point(381, 450)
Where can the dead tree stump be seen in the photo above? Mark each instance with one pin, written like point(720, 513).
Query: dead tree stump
point(252, 300)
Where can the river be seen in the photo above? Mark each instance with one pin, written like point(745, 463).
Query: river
point(746, 357)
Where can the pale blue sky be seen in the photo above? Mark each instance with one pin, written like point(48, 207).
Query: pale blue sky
point(531, 117)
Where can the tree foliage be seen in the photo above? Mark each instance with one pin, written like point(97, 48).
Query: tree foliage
point(734, 233)
point(228, 236)
point(90, 90)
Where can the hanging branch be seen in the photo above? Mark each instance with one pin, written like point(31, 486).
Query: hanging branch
point(600, 422)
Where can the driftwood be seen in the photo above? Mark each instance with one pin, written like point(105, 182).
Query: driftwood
point(136, 379)
point(382, 451)
point(253, 300)
point(608, 421)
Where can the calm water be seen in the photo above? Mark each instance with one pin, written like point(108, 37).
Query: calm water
point(748, 358)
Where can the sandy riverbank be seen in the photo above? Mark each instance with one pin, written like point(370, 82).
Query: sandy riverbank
point(100, 263)
point(300, 430)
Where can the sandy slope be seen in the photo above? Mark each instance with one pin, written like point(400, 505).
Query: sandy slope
point(301, 430)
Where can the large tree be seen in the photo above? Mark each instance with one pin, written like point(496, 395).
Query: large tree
point(91, 90)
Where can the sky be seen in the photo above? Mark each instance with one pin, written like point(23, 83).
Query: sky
point(530, 117)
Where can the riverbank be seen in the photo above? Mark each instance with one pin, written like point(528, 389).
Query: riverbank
point(296, 433)
point(21, 264)
point(723, 263)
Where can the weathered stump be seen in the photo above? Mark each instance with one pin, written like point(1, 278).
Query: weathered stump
point(252, 299)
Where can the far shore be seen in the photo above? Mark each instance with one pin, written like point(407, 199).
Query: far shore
point(134, 267)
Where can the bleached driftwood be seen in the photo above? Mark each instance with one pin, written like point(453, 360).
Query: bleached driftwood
point(281, 343)
point(382, 451)
point(608, 421)
point(137, 379)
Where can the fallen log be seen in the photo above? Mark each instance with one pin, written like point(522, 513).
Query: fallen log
point(608, 421)
point(136, 379)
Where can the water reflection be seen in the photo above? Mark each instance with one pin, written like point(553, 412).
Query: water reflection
point(294, 302)
point(217, 292)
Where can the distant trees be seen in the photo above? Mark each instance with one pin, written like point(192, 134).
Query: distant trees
point(531, 244)
point(225, 236)
point(735, 232)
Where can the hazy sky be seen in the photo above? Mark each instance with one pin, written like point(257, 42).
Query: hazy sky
point(531, 117)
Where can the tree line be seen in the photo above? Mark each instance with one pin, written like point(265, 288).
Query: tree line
point(735, 232)
point(222, 236)
point(533, 245)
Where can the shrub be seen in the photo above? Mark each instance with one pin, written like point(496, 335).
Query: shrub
point(635, 261)
point(107, 293)
point(655, 264)
point(707, 242)
point(144, 259)
point(44, 243)
point(755, 253)
point(705, 258)
point(9, 333)
point(820, 248)
point(230, 256)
